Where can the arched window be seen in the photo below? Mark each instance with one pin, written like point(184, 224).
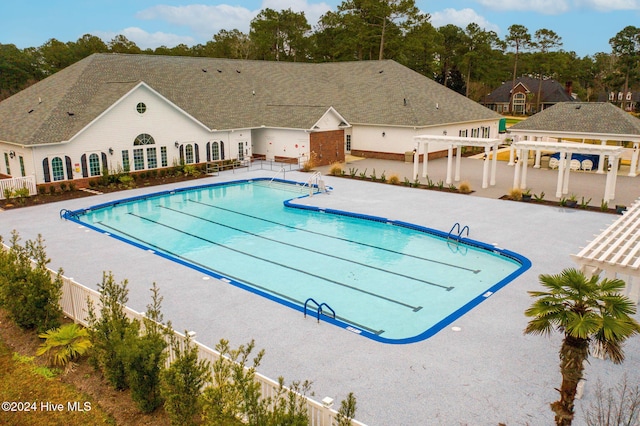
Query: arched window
point(215, 151)
point(188, 153)
point(94, 165)
point(144, 139)
point(57, 169)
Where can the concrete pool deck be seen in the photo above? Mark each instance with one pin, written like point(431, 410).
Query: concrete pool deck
point(484, 374)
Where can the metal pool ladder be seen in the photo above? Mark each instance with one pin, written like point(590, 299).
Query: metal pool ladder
point(455, 247)
point(457, 237)
point(319, 310)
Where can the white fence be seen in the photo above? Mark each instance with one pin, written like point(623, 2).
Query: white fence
point(74, 303)
point(12, 184)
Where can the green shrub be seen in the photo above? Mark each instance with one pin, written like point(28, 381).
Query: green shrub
point(347, 411)
point(42, 190)
point(235, 394)
point(111, 331)
point(52, 189)
point(8, 193)
point(72, 186)
point(63, 186)
point(27, 290)
point(394, 179)
point(181, 384)
point(64, 344)
point(145, 356)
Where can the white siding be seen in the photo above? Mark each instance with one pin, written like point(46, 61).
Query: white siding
point(280, 143)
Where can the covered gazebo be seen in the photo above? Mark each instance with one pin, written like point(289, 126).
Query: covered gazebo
point(593, 128)
point(566, 150)
point(490, 145)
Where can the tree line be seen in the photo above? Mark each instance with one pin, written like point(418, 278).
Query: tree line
point(471, 60)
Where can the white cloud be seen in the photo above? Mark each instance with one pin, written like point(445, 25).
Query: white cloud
point(461, 18)
point(207, 20)
point(610, 5)
point(312, 11)
point(546, 7)
point(146, 40)
point(203, 20)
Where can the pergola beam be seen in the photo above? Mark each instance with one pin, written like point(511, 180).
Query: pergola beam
point(488, 173)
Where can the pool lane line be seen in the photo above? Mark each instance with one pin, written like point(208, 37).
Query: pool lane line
point(447, 288)
point(251, 286)
point(451, 265)
point(379, 296)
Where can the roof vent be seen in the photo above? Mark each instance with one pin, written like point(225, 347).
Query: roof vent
point(70, 114)
point(238, 71)
point(30, 111)
point(204, 70)
point(219, 70)
point(405, 101)
point(380, 72)
point(578, 106)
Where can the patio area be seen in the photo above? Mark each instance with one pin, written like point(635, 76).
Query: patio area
point(486, 373)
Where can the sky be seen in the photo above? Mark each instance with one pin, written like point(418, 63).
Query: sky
point(585, 26)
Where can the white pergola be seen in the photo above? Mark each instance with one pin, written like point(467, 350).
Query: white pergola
point(616, 252)
point(522, 148)
point(422, 147)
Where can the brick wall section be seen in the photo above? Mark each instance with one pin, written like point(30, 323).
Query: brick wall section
point(395, 156)
point(327, 146)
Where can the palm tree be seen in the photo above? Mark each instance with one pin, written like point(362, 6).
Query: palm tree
point(590, 313)
point(65, 344)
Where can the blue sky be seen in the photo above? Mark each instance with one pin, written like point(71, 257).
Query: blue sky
point(585, 26)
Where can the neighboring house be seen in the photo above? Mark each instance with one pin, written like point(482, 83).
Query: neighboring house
point(141, 112)
point(629, 101)
point(525, 96)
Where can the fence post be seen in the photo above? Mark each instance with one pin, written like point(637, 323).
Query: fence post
point(327, 403)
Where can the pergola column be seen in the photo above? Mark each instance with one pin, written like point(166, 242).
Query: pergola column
point(449, 163)
point(633, 170)
point(560, 175)
point(601, 160)
point(485, 166)
point(536, 162)
point(516, 174)
point(494, 165)
point(416, 159)
point(567, 169)
point(512, 151)
point(458, 159)
point(525, 164)
point(609, 192)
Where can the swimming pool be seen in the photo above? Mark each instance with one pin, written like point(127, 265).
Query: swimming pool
point(391, 281)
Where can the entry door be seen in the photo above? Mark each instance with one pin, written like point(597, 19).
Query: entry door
point(241, 151)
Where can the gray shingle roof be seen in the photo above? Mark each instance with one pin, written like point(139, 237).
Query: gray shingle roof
point(551, 91)
point(582, 118)
point(232, 94)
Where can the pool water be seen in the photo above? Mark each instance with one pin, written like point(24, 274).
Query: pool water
point(390, 281)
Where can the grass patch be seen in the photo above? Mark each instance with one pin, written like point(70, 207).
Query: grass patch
point(25, 383)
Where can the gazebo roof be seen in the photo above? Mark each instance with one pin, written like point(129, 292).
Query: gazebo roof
point(617, 248)
point(581, 120)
